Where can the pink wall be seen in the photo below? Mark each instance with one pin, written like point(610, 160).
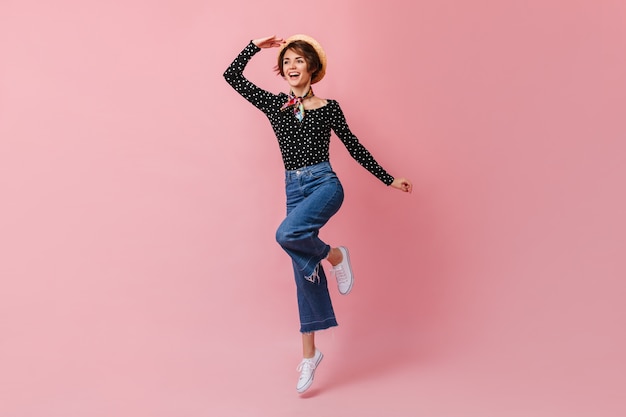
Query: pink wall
point(140, 195)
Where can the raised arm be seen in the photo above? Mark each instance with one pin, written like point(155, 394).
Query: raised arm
point(260, 98)
point(269, 42)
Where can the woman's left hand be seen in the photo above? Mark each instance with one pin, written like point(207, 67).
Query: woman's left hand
point(402, 184)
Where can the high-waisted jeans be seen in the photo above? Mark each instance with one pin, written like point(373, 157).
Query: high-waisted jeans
point(314, 195)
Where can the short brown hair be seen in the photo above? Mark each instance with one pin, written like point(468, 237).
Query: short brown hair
point(313, 62)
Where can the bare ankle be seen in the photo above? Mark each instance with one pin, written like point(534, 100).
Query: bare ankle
point(334, 256)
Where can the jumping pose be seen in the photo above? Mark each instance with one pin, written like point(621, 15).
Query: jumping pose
point(302, 123)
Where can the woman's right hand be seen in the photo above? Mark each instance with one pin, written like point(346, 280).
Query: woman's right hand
point(269, 42)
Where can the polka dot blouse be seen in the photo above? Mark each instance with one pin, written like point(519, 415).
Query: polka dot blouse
point(301, 143)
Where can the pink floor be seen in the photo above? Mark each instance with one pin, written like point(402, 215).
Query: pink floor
point(156, 351)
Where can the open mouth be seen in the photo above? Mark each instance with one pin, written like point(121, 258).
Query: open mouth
point(293, 75)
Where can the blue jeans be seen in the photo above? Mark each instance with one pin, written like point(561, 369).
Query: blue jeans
point(314, 195)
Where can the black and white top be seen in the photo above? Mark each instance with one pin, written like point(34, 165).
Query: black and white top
point(301, 143)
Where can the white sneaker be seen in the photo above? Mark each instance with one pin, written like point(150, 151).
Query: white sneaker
point(343, 272)
point(307, 371)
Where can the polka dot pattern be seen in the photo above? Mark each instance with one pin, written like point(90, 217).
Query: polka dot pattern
point(301, 143)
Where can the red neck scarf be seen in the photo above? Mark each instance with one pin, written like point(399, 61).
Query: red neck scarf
point(296, 102)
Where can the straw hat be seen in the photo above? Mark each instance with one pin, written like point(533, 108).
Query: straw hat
point(318, 48)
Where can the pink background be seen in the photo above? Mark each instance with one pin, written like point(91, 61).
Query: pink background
point(140, 195)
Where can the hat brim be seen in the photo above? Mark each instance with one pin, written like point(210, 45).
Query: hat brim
point(318, 48)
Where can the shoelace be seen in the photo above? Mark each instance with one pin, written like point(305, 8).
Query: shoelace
point(306, 366)
point(340, 274)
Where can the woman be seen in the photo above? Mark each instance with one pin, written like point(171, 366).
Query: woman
point(302, 123)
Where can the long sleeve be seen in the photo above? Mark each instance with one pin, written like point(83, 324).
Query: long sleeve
point(356, 149)
point(263, 100)
point(301, 143)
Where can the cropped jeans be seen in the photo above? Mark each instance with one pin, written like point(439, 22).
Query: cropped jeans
point(314, 195)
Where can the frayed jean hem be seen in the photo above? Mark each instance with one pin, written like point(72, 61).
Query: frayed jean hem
point(318, 325)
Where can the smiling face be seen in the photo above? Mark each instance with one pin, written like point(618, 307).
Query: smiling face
point(295, 69)
point(295, 53)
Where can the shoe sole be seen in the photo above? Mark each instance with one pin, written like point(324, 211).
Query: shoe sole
point(346, 253)
point(308, 384)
